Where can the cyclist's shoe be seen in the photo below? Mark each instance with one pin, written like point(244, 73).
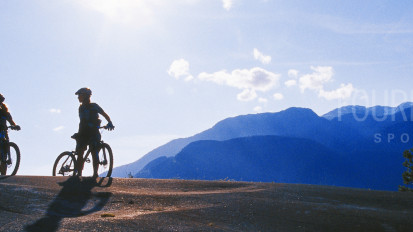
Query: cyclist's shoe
point(15, 127)
point(8, 162)
point(110, 126)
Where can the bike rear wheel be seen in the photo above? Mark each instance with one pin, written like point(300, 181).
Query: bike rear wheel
point(65, 165)
point(9, 163)
point(105, 165)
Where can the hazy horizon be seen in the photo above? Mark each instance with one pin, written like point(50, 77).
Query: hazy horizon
point(170, 69)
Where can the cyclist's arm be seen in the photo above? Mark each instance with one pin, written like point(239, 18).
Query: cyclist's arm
point(105, 115)
point(9, 118)
point(101, 111)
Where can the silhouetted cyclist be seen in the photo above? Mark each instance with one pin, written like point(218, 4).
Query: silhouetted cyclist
point(89, 125)
point(5, 117)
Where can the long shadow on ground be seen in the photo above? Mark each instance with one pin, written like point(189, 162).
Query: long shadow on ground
point(4, 177)
point(72, 201)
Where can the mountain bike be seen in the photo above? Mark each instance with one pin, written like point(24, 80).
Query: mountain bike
point(66, 164)
point(9, 155)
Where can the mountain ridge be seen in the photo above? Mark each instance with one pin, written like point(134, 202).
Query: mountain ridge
point(348, 135)
point(377, 111)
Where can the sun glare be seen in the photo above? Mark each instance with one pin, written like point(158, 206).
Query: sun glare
point(122, 11)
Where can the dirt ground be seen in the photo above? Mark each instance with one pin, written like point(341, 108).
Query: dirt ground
point(32, 203)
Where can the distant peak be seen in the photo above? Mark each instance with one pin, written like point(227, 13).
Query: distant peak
point(404, 105)
point(300, 110)
point(362, 110)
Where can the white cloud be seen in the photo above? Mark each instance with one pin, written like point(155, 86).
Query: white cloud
point(290, 83)
point(247, 95)
point(316, 80)
point(55, 111)
point(258, 109)
point(345, 91)
point(180, 68)
point(293, 73)
point(321, 76)
point(278, 96)
point(250, 81)
point(261, 57)
point(59, 128)
point(227, 4)
point(256, 78)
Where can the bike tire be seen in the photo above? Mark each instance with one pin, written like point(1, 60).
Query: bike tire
point(11, 169)
point(109, 159)
point(65, 164)
point(16, 157)
point(105, 170)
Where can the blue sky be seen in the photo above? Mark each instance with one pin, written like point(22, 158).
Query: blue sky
point(168, 69)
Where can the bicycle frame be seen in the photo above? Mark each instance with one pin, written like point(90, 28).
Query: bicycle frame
point(98, 148)
point(9, 155)
point(71, 163)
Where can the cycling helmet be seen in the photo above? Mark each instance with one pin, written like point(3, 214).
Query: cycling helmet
point(85, 91)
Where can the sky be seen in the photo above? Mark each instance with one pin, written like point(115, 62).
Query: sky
point(165, 69)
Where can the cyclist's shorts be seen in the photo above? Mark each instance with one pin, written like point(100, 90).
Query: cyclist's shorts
point(92, 140)
point(3, 134)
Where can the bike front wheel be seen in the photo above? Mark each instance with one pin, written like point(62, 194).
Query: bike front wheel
point(105, 162)
point(65, 165)
point(10, 162)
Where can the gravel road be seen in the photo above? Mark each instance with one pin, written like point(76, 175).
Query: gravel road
point(34, 203)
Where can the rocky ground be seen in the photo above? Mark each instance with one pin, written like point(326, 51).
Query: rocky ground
point(31, 203)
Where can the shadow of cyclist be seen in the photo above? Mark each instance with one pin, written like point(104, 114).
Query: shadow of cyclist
point(4, 177)
point(73, 201)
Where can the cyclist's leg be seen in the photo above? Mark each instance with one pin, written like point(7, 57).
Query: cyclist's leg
point(3, 168)
point(95, 160)
point(3, 152)
point(3, 165)
point(94, 147)
point(7, 150)
point(81, 145)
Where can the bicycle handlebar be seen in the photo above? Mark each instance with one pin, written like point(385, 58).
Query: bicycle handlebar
point(105, 127)
point(16, 127)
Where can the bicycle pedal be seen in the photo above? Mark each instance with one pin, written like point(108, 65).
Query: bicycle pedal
point(105, 162)
point(87, 160)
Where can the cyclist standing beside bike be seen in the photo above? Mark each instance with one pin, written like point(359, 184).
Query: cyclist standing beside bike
point(5, 117)
point(89, 125)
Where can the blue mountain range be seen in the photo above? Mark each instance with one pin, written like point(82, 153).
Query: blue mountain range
point(352, 146)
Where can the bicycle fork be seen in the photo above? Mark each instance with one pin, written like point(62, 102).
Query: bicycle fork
point(96, 156)
point(105, 160)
